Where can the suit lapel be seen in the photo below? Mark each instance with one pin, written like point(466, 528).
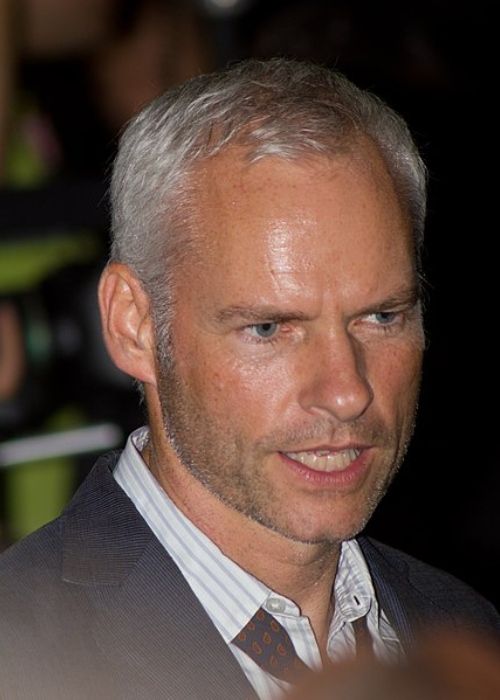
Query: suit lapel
point(150, 627)
point(406, 606)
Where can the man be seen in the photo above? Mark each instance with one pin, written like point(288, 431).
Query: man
point(264, 291)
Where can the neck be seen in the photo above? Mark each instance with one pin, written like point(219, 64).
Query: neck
point(304, 573)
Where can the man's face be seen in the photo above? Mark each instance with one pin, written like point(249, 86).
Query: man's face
point(297, 343)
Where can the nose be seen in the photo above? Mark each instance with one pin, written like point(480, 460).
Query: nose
point(336, 379)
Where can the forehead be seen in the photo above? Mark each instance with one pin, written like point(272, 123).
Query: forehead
point(288, 220)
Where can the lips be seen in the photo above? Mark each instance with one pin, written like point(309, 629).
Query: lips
point(325, 460)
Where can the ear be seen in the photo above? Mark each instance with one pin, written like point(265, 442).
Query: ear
point(126, 322)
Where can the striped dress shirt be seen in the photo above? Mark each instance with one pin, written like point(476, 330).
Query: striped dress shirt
point(231, 596)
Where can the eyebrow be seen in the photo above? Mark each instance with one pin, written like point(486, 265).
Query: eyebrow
point(259, 313)
point(406, 296)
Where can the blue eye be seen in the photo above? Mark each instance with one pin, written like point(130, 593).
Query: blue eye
point(265, 330)
point(385, 318)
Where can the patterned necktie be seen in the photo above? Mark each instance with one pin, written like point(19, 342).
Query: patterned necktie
point(269, 645)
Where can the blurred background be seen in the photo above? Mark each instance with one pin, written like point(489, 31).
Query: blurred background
point(72, 72)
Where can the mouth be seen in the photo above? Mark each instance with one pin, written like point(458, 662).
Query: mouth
point(322, 460)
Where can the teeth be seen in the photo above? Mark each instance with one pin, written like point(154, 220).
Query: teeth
point(323, 461)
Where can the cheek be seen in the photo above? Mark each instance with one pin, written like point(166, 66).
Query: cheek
point(243, 395)
point(395, 377)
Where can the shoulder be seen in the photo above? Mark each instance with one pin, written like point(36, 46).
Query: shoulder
point(439, 595)
point(36, 562)
point(32, 599)
point(45, 620)
point(32, 558)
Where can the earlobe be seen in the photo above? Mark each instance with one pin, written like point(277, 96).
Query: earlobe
point(126, 322)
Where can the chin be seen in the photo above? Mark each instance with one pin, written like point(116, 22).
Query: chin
point(308, 531)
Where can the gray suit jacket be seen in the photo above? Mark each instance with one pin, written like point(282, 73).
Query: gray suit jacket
point(91, 606)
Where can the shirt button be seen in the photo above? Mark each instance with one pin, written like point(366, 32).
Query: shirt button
point(275, 605)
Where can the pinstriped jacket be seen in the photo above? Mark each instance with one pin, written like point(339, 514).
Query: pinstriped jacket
point(91, 606)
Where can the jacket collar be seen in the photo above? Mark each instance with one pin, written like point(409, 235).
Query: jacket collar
point(407, 606)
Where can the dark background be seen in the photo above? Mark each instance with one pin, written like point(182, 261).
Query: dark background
point(434, 63)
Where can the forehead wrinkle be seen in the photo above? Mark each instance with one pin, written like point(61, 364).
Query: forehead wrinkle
point(280, 264)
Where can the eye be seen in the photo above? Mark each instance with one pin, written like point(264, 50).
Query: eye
point(264, 331)
point(384, 318)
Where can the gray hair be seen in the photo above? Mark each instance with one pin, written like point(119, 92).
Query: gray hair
point(278, 107)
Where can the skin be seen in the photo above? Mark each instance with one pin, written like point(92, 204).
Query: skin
point(316, 256)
